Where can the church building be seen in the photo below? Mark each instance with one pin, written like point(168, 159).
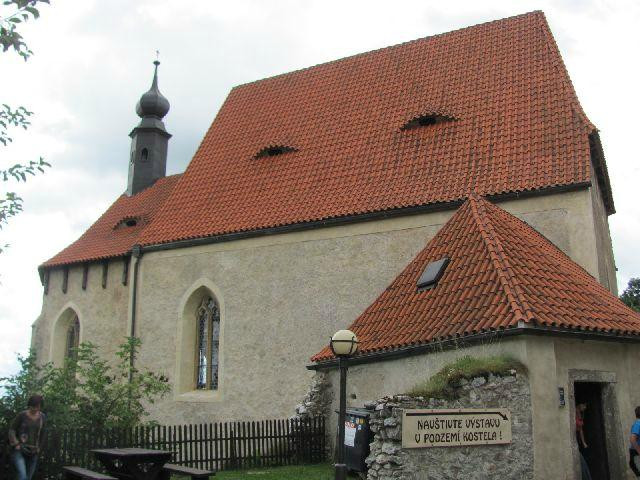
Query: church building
point(316, 200)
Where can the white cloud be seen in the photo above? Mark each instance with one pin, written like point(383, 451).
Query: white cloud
point(93, 60)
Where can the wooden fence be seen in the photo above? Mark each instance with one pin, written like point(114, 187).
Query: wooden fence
point(212, 446)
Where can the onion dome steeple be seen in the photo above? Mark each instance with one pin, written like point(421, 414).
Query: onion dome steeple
point(153, 103)
point(149, 140)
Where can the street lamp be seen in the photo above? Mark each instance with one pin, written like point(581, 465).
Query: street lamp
point(343, 345)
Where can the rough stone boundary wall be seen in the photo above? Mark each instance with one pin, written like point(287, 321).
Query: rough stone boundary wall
point(388, 461)
point(318, 399)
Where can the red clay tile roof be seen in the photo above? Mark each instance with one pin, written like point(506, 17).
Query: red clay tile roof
point(502, 272)
point(516, 125)
point(109, 236)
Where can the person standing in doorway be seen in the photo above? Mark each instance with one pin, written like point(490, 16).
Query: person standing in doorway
point(25, 438)
point(634, 447)
point(582, 443)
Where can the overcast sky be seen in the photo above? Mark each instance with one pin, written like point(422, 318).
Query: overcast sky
point(93, 59)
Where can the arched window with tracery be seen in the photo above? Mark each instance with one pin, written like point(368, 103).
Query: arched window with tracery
point(208, 344)
point(73, 338)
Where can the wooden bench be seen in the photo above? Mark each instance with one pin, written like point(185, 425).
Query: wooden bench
point(194, 473)
point(79, 473)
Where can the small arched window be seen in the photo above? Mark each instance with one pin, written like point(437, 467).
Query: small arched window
point(144, 155)
point(208, 344)
point(73, 339)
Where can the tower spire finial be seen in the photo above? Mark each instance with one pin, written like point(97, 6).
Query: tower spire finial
point(156, 62)
point(153, 103)
point(149, 140)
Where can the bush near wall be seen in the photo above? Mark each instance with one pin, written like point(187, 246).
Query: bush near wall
point(87, 392)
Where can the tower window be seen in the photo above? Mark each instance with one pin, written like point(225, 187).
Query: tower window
point(274, 150)
point(208, 344)
point(144, 155)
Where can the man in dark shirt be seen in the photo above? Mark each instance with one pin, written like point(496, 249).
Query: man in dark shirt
point(25, 437)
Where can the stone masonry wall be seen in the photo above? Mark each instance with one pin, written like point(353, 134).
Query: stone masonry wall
point(389, 461)
point(317, 401)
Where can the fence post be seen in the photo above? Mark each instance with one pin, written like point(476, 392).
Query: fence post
point(234, 460)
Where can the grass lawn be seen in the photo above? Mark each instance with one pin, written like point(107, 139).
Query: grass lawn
point(322, 471)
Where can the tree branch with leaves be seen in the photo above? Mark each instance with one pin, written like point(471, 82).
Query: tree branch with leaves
point(631, 294)
point(19, 11)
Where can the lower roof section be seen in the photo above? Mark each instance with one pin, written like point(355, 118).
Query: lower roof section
point(119, 228)
point(502, 275)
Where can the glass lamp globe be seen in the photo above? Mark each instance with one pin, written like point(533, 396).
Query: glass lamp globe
point(344, 343)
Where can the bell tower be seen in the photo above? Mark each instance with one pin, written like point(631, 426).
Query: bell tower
point(149, 140)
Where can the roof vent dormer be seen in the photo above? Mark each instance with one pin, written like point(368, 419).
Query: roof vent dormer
point(426, 119)
point(274, 150)
point(128, 222)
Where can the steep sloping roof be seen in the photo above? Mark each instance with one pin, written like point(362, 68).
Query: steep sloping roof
point(508, 120)
point(502, 274)
point(517, 127)
point(110, 236)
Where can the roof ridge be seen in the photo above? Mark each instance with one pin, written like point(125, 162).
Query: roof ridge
point(519, 305)
point(389, 47)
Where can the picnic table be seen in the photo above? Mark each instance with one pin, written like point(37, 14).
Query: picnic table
point(133, 463)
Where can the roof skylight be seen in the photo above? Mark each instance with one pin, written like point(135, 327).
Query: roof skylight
point(432, 273)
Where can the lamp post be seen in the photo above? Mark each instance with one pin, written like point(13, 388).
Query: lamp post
point(343, 345)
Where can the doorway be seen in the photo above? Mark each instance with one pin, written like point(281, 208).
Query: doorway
point(590, 393)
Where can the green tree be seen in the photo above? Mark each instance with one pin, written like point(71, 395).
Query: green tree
point(19, 11)
point(87, 392)
point(631, 294)
point(17, 388)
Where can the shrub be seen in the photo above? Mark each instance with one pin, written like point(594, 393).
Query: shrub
point(87, 392)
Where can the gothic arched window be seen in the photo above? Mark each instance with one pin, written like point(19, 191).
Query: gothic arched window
point(208, 344)
point(144, 155)
point(73, 338)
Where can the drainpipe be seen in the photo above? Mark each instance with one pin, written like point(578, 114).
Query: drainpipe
point(136, 254)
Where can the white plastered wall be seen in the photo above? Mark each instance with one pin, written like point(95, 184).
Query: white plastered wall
point(285, 295)
point(281, 297)
point(549, 361)
point(103, 312)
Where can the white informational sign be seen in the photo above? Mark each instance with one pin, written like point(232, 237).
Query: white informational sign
point(453, 428)
point(349, 433)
